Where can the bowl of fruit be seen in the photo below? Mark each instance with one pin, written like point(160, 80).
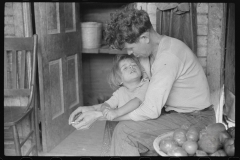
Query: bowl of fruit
point(213, 140)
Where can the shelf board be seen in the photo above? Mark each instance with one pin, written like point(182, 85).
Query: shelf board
point(103, 49)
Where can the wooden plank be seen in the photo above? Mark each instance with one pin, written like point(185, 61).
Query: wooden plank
point(193, 19)
point(14, 70)
point(216, 39)
point(5, 69)
point(103, 49)
point(112, 51)
point(16, 92)
point(215, 47)
point(94, 50)
point(170, 23)
point(229, 81)
point(18, 19)
point(16, 141)
point(159, 21)
point(27, 19)
point(13, 43)
point(22, 72)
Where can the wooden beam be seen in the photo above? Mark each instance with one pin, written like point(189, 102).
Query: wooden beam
point(216, 39)
point(22, 72)
point(5, 69)
point(14, 69)
point(16, 92)
point(27, 20)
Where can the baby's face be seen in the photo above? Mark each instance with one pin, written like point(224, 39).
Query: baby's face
point(130, 70)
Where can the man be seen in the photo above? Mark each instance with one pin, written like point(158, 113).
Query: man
point(178, 91)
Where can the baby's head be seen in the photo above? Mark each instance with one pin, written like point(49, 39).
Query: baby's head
point(126, 69)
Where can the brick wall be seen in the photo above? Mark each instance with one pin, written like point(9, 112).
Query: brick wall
point(202, 33)
point(202, 27)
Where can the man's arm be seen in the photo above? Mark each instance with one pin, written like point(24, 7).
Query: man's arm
point(164, 74)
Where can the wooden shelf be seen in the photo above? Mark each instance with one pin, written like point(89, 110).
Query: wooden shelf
point(103, 49)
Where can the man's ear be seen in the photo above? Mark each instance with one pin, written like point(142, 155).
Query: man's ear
point(145, 37)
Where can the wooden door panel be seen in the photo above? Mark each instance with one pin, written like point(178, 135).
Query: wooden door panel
point(53, 20)
point(59, 68)
point(73, 82)
point(69, 11)
point(56, 86)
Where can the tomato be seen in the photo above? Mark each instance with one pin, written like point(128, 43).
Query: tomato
point(201, 153)
point(215, 128)
point(219, 153)
point(167, 144)
point(209, 143)
point(179, 136)
point(229, 147)
point(202, 133)
point(190, 147)
point(231, 131)
point(192, 134)
point(177, 151)
point(223, 136)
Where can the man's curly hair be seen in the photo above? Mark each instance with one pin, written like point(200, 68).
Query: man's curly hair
point(126, 25)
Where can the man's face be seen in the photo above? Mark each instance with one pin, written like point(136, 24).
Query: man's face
point(138, 49)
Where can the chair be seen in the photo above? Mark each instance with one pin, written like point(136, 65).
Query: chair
point(19, 81)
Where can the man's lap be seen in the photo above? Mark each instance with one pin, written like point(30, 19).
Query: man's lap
point(144, 132)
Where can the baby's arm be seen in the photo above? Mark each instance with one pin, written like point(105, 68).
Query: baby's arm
point(127, 108)
point(104, 106)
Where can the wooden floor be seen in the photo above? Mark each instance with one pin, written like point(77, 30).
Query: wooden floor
point(81, 143)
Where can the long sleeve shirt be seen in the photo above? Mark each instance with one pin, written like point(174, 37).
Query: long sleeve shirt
point(177, 82)
point(123, 95)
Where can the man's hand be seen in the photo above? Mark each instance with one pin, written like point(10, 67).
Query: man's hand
point(86, 119)
point(77, 112)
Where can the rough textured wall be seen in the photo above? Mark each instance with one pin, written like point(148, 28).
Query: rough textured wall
point(202, 33)
point(8, 20)
point(13, 20)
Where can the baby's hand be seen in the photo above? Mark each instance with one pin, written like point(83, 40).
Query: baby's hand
point(110, 114)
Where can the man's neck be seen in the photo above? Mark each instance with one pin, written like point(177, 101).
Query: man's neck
point(155, 40)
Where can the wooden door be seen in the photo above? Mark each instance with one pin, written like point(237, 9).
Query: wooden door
point(60, 68)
